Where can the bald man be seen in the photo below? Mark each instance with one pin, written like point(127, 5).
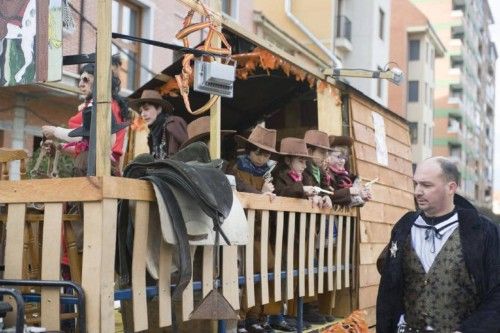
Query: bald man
point(441, 272)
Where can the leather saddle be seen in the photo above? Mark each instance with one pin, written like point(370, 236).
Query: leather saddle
point(189, 176)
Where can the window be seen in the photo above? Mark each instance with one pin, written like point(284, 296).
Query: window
point(427, 51)
point(127, 19)
point(412, 91)
point(381, 23)
point(414, 49)
point(431, 99)
point(230, 7)
point(413, 132)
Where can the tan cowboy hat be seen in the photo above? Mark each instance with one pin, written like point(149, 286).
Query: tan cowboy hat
point(340, 141)
point(317, 139)
point(199, 129)
point(294, 147)
point(261, 137)
point(151, 96)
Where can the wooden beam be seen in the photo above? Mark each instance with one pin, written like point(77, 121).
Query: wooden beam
point(215, 110)
point(103, 94)
point(329, 108)
point(262, 202)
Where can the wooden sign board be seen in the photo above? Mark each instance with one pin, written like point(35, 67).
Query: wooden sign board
point(30, 41)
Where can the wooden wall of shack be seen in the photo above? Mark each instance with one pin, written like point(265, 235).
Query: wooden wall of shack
point(392, 194)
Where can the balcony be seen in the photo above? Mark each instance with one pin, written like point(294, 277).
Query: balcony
point(458, 5)
point(343, 34)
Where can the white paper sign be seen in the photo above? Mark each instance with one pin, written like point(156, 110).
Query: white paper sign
point(380, 144)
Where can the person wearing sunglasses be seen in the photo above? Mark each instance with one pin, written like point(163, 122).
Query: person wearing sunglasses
point(119, 110)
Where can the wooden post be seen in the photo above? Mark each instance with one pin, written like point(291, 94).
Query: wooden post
point(329, 113)
point(215, 110)
point(103, 94)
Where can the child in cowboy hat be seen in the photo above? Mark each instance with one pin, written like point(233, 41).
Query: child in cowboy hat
point(253, 169)
point(317, 147)
point(288, 181)
point(166, 132)
point(348, 190)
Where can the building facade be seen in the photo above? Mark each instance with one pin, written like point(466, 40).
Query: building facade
point(414, 47)
point(464, 92)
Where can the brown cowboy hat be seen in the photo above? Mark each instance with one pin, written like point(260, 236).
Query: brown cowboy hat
point(199, 129)
point(340, 141)
point(294, 147)
point(317, 139)
point(261, 137)
point(151, 96)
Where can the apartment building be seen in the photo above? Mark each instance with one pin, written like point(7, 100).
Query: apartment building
point(353, 34)
point(414, 47)
point(464, 93)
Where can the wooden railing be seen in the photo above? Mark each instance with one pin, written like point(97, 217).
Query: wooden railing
point(312, 247)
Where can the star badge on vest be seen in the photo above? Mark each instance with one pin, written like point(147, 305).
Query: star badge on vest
point(394, 249)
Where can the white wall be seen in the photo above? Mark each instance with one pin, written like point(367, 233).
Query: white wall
point(369, 51)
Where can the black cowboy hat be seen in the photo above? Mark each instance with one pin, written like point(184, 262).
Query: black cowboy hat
point(85, 129)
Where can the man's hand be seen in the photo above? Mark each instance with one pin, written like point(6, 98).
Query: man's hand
point(49, 131)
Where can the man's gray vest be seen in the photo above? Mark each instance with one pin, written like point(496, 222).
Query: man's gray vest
point(442, 297)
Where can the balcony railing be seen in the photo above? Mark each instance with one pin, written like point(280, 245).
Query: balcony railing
point(343, 28)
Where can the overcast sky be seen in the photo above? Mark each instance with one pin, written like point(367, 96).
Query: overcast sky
point(495, 35)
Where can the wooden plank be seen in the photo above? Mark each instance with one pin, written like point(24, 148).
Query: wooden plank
point(51, 264)
point(249, 253)
point(347, 252)
point(14, 243)
point(375, 232)
point(208, 270)
point(264, 244)
point(127, 188)
point(329, 110)
point(109, 218)
point(103, 89)
point(321, 257)
point(340, 235)
point(141, 226)
point(372, 211)
point(369, 252)
point(362, 113)
point(290, 246)
point(393, 197)
point(34, 189)
point(366, 135)
point(91, 265)
point(261, 202)
point(302, 254)
point(164, 282)
point(230, 288)
point(387, 177)
point(368, 153)
point(368, 296)
point(368, 275)
point(329, 255)
point(187, 294)
point(277, 256)
point(311, 254)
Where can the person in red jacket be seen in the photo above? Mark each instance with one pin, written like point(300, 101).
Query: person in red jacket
point(118, 108)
